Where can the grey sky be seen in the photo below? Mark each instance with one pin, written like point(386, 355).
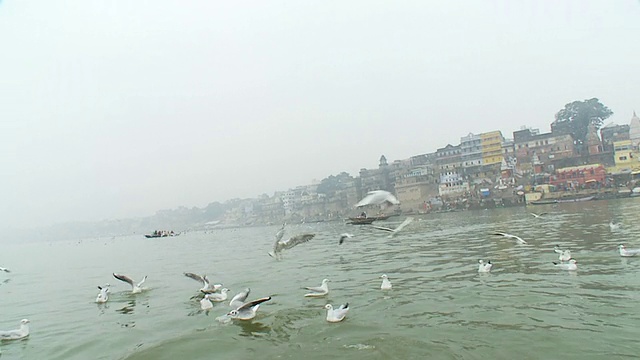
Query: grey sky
point(115, 109)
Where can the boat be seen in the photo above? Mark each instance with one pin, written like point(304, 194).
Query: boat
point(361, 220)
point(570, 200)
point(544, 202)
point(382, 217)
point(161, 233)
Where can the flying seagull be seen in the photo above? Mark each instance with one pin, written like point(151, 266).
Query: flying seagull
point(386, 284)
point(393, 232)
point(239, 299)
point(103, 295)
point(135, 288)
point(280, 245)
point(378, 197)
point(336, 315)
point(484, 267)
point(4, 269)
point(207, 287)
point(538, 215)
point(509, 236)
point(627, 252)
point(18, 334)
point(571, 265)
point(248, 310)
point(343, 237)
point(321, 290)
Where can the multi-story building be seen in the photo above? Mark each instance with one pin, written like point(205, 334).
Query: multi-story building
point(634, 131)
point(544, 150)
point(491, 145)
point(449, 165)
point(417, 184)
point(376, 179)
point(612, 133)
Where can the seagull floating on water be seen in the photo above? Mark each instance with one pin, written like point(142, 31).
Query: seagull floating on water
point(135, 288)
point(565, 255)
point(336, 315)
point(18, 334)
point(103, 295)
point(207, 287)
point(509, 236)
point(386, 284)
point(205, 303)
point(248, 310)
point(484, 267)
point(614, 226)
point(281, 245)
point(321, 290)
point(240, 298)
point(4, 269)
point(344, 236)
point(219, 297)
point(627, 252)
point(393, 232)
point(378, 197)
point(571, 265)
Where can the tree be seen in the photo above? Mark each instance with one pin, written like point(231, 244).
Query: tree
point(330, 185)
point(576, 117)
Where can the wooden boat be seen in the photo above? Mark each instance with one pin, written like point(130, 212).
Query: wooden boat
point(160, 234)
point(361, 220)
point(569, 200)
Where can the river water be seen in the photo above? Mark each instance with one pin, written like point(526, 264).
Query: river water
point(439, 308)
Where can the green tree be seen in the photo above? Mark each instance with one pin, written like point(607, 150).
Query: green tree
point(576, 117)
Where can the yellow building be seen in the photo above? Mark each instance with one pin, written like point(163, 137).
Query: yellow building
point(626, 158)
point(491, 144)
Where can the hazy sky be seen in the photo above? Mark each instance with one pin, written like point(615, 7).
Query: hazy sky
point(115, 109)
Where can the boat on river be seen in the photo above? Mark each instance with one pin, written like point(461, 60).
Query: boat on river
point(161, 233)
point(361, 220)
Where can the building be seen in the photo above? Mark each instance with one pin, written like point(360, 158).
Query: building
point(634, 131)
point(491, 147)
point(417, 184)
point(575, 176)
point(376, 179)
point(612, 133)
point(449, 166)
point(537, 152)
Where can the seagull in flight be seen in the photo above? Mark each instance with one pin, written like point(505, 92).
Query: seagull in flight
point(343, 237)
point(207, 287)
point(509, 236)
point(318, 291)
point(393, 232)
point(565, 255)
point(248, 310)
point(571, 265)
point(4, 269)
point(378, 197)
point(240, 298)
point(484, 267)
point(336, 315)
point(280, 245)
point(627, 252)
point(538, 215)
point(135, 288)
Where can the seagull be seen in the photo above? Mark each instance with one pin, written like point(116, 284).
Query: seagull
point(321, 290)
point(280, 245)
point(538, 215)
point(344, 236)
point(336, 315)
point(4, 269)
point(614, 226)
point(239, 299)
point(518, 239)
point(627, 252)
point(219, 297)
point(205, 303)
point(386, 284)
point(207, 287)
point(378, 197)
point(18, 334)
point(565, 255)
point(484, 267)
point(393, 232)
point(103, 295)
point(248, 310)
point(571, 265)
point(135, 289)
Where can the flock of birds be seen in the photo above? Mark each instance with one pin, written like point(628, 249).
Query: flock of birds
point(241, 309)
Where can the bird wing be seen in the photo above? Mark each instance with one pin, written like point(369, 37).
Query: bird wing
point(377, 197)
point(280, 233)
point(497, 233)
point(123, 278)
point(196, 277)
point(240, 298)
point(142, 281)
point(406, 222)
point(317, 289)
point(382, 228)
point(253, 303)
point(344, 236)
point(295, 240)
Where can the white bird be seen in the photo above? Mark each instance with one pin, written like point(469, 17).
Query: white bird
point(4, 269)
point(240, 298)
point(103, 295)
point(393, 232)
point(280, 245)
point(18, 334)
point(614, 226)
point(484, 267)
point(509, 236)
point(336, 315)
point(207, 286)
point(565, 255)
point(627, 252)
point(135, 288)
point(219, 297)
point(386, 284)
point(343, 237)
point(248, 310)
point(538, 215)
point(378, 197)
point(571, 265)
point(321, 290)
point(205, 303)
